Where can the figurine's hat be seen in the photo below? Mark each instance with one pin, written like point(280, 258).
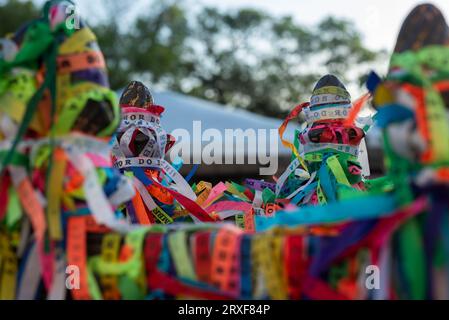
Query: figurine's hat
point(137, 98)
point(140, 113)
point(424, 26)
point(330, 101)
point(329, 90)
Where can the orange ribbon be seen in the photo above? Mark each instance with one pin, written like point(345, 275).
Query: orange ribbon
point(293, 115)
point(356, 108)
point(80, 61)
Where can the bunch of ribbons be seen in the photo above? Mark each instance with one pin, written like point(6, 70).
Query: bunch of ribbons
point(326, 151)
point(57, 115)
point(162, 194)
point(216, 261)
point(76, 222)
point(410, 105)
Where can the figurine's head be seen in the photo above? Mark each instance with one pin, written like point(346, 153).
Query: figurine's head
point(329, 107)
point(58, 55)
point(140, 133)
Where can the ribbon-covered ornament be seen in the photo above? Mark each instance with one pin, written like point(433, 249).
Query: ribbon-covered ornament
point(57, 116)
point(139, 151)
point(412, 105)
point(329, 145)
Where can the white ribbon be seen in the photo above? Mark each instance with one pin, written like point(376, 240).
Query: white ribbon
point(327, 113)
point(95, 197)
point(315, 147)
point(283, 178)
point(312, 178)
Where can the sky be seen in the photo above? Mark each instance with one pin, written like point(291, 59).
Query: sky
point(378, 20)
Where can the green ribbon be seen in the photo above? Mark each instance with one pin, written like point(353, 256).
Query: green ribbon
point(434, 57)
point(409, 237)
point(14, 209)
point(131, 267)
point(130, 289)
point(17, 159)
point(74, 106)
point(412, 259)
point(177, 243)
point(38, 42)
point(268, 196)
point(332, 90)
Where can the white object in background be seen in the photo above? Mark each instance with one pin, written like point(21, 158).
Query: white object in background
point(363, 159)
point(302, 174)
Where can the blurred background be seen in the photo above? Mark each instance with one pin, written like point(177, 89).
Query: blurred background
point(206, 59)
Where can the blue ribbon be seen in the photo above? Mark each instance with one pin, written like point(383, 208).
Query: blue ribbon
point(330, 248)
point(192, 172)
point(327, 182)
point(140, 174)
point(392, 113)
point(246, 270)
point(304, 192)
point(177, 165)
point(347, 210)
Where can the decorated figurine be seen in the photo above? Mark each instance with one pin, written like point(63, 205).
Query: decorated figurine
point(139, 151)
point(57, 115)
point(401, 221)
point(61, 212)
point(328, 144)
point(412, 105)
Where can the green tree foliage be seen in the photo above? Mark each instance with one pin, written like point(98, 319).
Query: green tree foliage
point(14, 13)
point(246, 57)
point(151, 47)
point(263, 63)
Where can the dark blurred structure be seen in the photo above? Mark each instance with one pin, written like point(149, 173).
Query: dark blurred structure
point(182, 111)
